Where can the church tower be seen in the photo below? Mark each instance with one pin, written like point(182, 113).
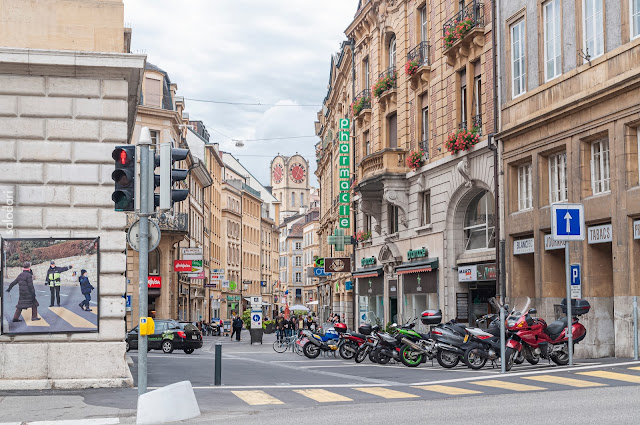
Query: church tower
point(290, 183)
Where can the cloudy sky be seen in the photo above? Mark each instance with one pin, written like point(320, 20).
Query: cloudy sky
point(254, 51)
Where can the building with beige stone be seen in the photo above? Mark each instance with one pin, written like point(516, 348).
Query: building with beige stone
point(412, 90)
point(69, 89)
point(570, 133)
point(310, 252)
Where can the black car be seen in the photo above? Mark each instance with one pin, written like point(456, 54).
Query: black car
point(169, 335)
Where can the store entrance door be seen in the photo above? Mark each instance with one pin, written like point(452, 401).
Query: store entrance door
point(479, 295)
point(393, 309)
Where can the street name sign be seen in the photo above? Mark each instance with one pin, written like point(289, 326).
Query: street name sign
point(567, 222)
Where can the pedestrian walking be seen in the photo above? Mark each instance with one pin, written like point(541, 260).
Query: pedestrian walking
point(26, 293)
point(237, 328)
point(85, 288)
point(53, 280)
point(280, 327)
point(300, 324)
point(293, 324)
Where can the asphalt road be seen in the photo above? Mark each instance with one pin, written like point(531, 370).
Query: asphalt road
point(68, 317)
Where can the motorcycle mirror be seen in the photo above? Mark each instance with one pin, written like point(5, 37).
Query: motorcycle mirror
point(395, 325)
point(506, 307)
point(532, 311)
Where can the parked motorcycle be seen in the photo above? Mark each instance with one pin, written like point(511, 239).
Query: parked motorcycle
point(317, 343)
point(537, 339)
point(371, 342)
point(349, 341)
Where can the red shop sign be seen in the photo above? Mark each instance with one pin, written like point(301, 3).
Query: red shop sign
point(182, 266)
point(154, 282)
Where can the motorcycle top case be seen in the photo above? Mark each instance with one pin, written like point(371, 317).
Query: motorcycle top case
point(431, 317)
point(340, 328)
point(365, 329)
point(578, 307)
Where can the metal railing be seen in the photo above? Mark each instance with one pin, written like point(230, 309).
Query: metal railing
point(362, 101)
point(462, 125)
point(178, 222)
point(421, 53)
point(473, 11)
point(477, 124)
point(424, 146)
point(389, 72)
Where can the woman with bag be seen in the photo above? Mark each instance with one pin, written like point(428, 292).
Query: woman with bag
point(27, 293)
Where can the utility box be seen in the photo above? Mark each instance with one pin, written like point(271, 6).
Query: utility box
point(147, 326)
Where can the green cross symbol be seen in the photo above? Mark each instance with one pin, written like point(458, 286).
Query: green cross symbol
point(339, 239)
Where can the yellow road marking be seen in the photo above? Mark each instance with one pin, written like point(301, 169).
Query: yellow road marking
point(72, 318)
point(508, 385)
point(26, 315)
point(256, 398)
point(613, 375)
point(386, 392)
point(448, 390)
point(635, 368)
point(565, 381)
point(322, 396)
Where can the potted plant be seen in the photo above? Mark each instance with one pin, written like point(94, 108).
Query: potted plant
point(385, 83)
point(411, 67)
point(362, 236)
point(462, 140)
point(359, 105)
point(457, 31)
point(415, 159)
point(269, 326)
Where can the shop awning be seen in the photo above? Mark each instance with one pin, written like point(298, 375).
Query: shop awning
point(360, 274)
point(418, 267)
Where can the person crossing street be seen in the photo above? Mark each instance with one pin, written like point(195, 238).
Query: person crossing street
point(27, 293)
point(53, 281)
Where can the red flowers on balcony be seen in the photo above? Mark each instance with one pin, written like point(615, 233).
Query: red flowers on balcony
point(359, 104)
point(411, 67)
point(387, 81)
point(362, 236)
point(462, 140)
point(457, 31)
point(415, 159)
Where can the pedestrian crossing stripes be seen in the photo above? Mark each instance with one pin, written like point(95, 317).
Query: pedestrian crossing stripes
point(258, 397)
point(26, 316)
point(612, 375)
point(386, 392)
point(578, 383)
point(506, 385)
point(447, 390)
point(72, 318)
point(322, 396)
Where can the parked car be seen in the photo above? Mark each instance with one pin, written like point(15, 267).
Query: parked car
point(169, 335)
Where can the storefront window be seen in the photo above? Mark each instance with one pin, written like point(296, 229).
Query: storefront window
point(479, 223)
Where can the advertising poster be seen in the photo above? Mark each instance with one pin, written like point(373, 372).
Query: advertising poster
point(50, 285)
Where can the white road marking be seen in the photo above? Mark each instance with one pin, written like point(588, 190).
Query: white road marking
point(93, 421)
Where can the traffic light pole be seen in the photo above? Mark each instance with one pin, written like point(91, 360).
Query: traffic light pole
point(143, 256)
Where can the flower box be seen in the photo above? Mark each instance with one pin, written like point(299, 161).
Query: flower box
point(462, 140)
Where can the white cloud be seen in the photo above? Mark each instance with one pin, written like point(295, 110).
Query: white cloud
point(268, 51)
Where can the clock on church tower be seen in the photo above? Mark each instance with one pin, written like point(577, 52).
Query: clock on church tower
point(278, 173)
point(297, 172)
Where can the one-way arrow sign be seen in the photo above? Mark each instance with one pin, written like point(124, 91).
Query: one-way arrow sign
point(567, 222)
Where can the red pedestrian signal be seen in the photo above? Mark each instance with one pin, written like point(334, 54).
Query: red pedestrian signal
point(124, 177)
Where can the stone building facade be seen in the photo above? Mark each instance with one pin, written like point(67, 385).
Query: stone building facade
point(430, 224)
point(570, 133)
point(61, 115)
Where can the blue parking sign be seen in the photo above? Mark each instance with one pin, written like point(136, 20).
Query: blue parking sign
point(567, 222)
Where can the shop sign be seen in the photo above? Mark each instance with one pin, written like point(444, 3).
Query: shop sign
point(523, 246)
point(344, 174)
point(412, 254)
point(337, 265)
point(217, 271)
point(348, 285)
point(636, 229)
point(487, 271)
point(197, 276)
point(600, 234)
point(224, 284)
point(369, 261)
point(319, 272)
point(467, 274)
point(233, 297)
point(550, 244)
point(187, 253)
point(154, 282)
point(183, 266)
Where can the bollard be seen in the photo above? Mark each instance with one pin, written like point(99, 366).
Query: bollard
point(218, 368)
point(635, 328)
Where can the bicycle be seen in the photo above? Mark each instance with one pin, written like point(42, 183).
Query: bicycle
point(290, 342)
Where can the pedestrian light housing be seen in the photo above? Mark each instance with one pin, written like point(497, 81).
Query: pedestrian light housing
point(124, 177)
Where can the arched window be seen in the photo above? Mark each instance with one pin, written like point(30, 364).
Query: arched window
point(479, 223)
point(392, 52)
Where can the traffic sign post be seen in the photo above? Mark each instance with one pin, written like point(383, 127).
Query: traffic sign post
point(567, 224)
point(576, 284)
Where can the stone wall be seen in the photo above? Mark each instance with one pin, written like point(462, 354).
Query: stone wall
point(61, 115)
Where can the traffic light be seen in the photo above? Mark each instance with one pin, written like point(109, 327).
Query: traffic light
point(170, 175)
point(124, 177)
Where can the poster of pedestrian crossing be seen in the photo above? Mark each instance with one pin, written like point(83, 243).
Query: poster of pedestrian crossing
point(50, 285)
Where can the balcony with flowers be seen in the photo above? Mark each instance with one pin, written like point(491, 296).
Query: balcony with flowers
point(463, 33)
point(418, 66)
point(385, 88)
point(361, 108)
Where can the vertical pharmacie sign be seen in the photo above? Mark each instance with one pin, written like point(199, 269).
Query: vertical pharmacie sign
point(344, 174)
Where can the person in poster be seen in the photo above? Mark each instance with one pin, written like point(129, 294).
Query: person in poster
point(53, 280)
point(27, 293)
point(85, 288)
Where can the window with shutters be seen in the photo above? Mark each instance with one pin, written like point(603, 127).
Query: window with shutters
point(153, 92)
point(298, 261)
point(600, 172)
point(558, 178)
point(525, 193)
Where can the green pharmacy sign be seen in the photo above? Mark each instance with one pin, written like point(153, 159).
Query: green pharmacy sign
point(344, 173)
point(417, 253)
point(368, 261)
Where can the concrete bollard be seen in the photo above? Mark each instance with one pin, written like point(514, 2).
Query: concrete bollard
point(175, 402)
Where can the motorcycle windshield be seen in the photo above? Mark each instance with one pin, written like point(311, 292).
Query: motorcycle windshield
point(520, 307)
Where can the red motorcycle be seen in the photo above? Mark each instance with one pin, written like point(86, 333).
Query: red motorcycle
point(349, 341)
point(533, 338)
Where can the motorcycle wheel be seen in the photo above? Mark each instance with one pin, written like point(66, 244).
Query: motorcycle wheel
point(381, 358)
point(447, 359)
point(348, 351)
point(311, 350)
point(509, 355)
point(373, 356)
point(362, 354)
point(519, 358)
point(410, 357)
point(563, 358)
point(531, 358)
point(473, 360)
